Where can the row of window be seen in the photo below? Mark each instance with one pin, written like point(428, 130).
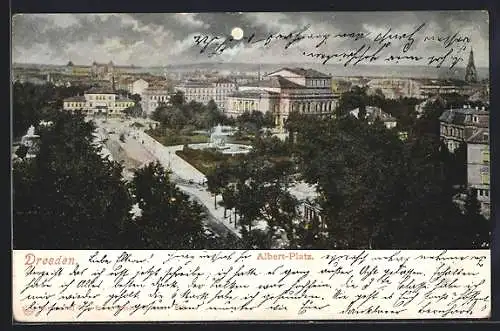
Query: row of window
point(246, 105)
point(101, 97)
point(319, 82)
point(82, 104)
point(308, 107)
point(159, 97)
point(452, 131)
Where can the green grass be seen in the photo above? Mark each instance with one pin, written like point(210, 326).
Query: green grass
point(203, 160)
point(171, 138)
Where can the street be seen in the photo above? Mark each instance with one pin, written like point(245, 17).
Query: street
point(138, 149)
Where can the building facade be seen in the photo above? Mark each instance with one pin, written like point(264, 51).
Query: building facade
point(152, 97)
point(203, 92)
point(137, 86)
point(394, 88)
point(299, 90)
point(251, 100)
point(478, 168)
point(98, 101)
point(458, 125)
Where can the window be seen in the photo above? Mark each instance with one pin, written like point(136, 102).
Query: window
point(486, 156)
point(485, 178)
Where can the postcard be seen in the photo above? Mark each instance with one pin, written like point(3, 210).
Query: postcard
point(251, 166)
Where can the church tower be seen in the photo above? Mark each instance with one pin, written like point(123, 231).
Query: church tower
point(470, 71)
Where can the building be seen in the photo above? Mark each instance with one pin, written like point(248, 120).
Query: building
point(78, 70)
point(251, 100)
point(394, 88)
point(458, 125)
point(309, 211)
point(478, 167)
point(103, 70)
point(98, 101)
point(203, 92)
point(137, 86)
point(152, 97)
point(288, 90)
point(470, 70)
point(375, 113)
point(432, 88)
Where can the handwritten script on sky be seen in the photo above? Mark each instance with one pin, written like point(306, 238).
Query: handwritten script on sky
point(249, 285)
point(389, 46)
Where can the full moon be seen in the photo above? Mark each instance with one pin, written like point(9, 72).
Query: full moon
point(237, 33)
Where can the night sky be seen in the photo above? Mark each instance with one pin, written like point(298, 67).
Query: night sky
point(162, 39)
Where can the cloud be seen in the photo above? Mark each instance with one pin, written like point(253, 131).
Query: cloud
point(160, 38)
point(191, 20)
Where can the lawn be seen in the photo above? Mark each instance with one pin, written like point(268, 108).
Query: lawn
point(171, 138)
point(204, 160)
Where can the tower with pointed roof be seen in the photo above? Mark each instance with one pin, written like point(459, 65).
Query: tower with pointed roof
point(470, 71)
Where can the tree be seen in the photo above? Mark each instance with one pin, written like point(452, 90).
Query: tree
point(135, 97)
point(177, 99)
point(68, 195)
point(376, 191)
point(169, 220)
point(216, 181)
point(475, 223)
point(458, 165)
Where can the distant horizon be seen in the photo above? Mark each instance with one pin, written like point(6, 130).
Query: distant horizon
point(239, 63)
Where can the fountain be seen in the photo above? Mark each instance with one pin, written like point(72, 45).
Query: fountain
point(30, 140)
point(218, 138)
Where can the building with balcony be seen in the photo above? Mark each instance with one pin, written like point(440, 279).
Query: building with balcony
point(478, 168)
point(458, 125)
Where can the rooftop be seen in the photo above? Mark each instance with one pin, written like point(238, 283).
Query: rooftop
point(275, 82)
point(256, 93)
point(100, 90)
point(308, 73)
point(303, 191)
point(481, 136)
point(465, 116)
point(78, 98)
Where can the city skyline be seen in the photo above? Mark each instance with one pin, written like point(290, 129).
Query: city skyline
point(168, 39)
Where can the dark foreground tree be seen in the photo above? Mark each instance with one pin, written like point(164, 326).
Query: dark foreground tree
point(169, 220)
point(377, 191)
point(68, 196)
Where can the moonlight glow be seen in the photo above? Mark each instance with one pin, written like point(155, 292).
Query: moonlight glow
point(237, 33)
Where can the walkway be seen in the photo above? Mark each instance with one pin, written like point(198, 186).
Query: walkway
point(143, 148)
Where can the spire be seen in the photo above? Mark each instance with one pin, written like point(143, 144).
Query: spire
point(470, 71)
